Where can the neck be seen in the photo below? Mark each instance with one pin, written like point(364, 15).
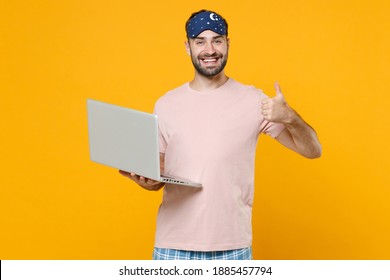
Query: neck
point(202, 83)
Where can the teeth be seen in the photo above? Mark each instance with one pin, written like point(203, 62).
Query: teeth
point(209, 60)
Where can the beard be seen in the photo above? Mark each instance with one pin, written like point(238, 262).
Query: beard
point(209, 71)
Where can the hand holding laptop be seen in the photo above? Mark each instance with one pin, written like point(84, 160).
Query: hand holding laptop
point(127, 139)
point(148, 184)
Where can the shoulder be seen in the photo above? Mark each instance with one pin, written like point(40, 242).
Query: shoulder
point(248, 90)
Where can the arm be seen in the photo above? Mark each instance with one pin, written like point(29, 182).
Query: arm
point(146, 183)
point(298, 135)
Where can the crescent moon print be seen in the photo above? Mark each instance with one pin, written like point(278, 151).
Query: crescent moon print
point(212, 17)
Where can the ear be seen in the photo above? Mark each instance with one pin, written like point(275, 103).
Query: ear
point(228, 42)
point(187, 45)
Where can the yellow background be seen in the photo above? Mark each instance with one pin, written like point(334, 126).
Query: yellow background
point(330, 57)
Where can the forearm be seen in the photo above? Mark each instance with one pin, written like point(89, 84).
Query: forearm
point(303, 136)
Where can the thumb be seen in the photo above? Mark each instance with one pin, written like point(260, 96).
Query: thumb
point(278, 90)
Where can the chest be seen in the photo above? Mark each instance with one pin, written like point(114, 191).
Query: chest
point(233, 122)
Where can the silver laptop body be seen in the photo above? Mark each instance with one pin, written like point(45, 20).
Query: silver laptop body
point(126, 139)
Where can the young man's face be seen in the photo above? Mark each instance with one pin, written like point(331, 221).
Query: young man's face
point(209, 52)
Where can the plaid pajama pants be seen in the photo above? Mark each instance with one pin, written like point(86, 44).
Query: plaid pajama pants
point(173, 254)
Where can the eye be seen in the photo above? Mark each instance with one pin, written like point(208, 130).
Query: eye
point(199, 43)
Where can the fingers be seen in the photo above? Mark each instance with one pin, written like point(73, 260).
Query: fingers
point(124, 173)
point(271, 106)
point(140, 180)
point(277, 88)
point(130, 175)
point(267, 105)
point(279, 94)
point(137, 179)
point(266, 112)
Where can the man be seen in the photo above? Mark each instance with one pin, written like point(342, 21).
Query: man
point(208, 133)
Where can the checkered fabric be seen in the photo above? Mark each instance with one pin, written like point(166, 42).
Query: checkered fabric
point(173, 254)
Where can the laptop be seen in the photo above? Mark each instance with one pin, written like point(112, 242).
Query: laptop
point(127, 139)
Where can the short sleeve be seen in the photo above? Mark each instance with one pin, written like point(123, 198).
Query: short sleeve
point(271, 129)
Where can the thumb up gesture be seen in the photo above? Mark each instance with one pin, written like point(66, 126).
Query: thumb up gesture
point(275, 109)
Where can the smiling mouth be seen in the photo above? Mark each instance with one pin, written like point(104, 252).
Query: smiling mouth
point(210, 60)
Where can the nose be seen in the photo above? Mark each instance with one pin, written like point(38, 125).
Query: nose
point(210, 48)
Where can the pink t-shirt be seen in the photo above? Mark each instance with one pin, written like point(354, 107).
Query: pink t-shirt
point(209, 137)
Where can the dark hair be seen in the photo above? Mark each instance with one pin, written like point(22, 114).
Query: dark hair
point(202, 11)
